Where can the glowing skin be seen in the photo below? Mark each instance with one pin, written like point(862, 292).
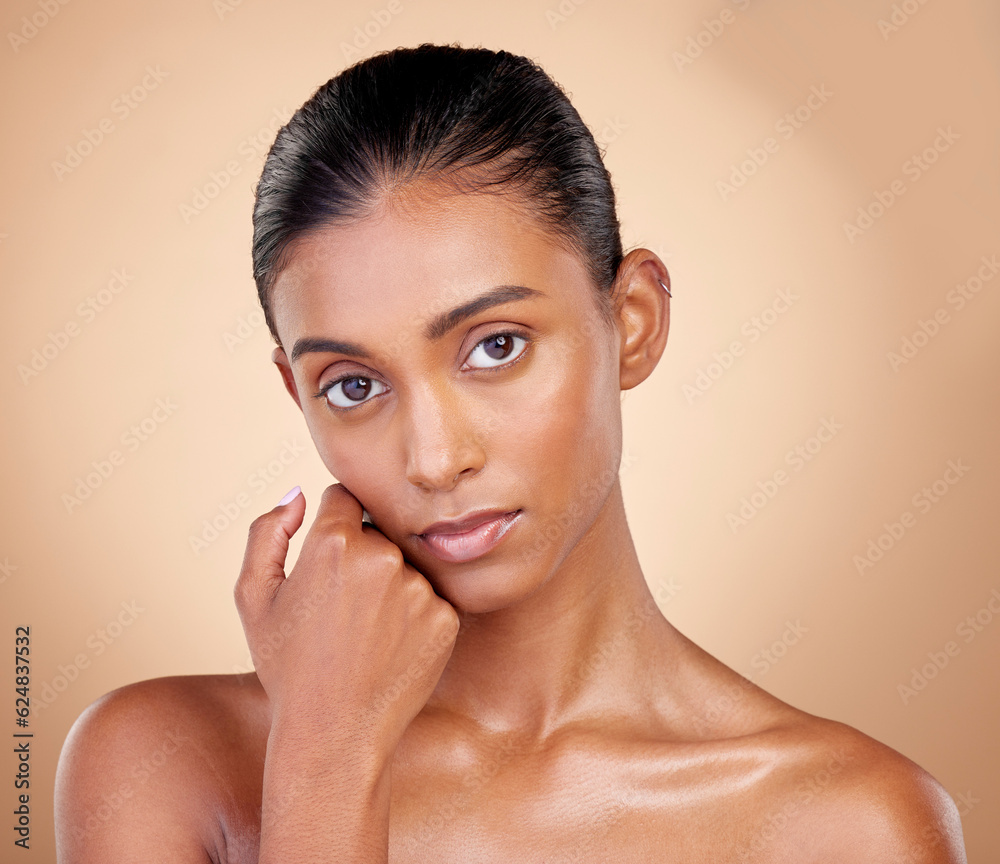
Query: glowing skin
point(446, 440)
point(571, 720)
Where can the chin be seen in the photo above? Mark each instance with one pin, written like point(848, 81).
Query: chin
point(475, 588)
point(480, 599)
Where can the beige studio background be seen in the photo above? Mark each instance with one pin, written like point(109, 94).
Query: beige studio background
point(810, 473)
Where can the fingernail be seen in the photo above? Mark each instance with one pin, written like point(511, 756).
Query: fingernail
point(291, 494)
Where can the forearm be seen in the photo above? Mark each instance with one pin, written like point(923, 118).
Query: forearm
point(323, 801)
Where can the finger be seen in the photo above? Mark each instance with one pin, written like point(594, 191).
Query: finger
point(339, 513)
point(263, 570)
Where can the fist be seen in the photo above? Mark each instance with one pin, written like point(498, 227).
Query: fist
point(354, 638)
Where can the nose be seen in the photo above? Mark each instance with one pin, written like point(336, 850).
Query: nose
point(441, 443)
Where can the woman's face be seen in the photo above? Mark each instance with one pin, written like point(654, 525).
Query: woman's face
point(431, 406)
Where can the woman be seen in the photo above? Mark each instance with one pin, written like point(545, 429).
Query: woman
point(479, 671)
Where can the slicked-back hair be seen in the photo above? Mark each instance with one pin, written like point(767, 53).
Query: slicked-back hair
point(482, 120)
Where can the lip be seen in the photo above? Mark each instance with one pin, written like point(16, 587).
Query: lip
point(458, 526)
point(468, 538)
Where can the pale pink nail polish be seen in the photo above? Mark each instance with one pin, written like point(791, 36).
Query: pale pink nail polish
point(290, 495)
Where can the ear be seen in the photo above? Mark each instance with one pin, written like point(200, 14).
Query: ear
point(285, 368)
point(642, 313)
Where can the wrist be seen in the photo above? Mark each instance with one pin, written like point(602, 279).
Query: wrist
point(318, 747)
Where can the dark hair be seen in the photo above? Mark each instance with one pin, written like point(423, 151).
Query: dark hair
point(475, 117)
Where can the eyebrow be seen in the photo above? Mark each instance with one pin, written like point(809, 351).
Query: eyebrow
point(435, 329)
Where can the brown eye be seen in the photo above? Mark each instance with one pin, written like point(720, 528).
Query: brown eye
point(351, 391)
point(499, 347)
point(356, 389)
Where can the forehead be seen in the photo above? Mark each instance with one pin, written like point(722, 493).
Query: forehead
point(423, 250)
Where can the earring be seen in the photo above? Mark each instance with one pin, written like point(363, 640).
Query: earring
point(664, 287)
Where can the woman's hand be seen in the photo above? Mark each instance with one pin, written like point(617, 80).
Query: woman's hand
point(354, 640)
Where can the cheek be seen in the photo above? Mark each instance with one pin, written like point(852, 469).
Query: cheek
point(567, 428)
point(349, 456)
point(325, 446)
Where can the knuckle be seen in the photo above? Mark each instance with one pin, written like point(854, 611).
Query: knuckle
point(333, 539)
point(449, 619)
point(451, 614)
point(242, 593)
point(390, 556)
point(332, 494)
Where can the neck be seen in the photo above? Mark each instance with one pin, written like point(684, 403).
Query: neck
point(580, 646)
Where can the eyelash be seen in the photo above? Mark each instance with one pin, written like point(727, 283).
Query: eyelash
point(326, 388)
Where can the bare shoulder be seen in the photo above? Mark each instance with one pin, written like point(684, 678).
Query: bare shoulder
point(841, 795)
point(801, 788)
point(146, 769)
